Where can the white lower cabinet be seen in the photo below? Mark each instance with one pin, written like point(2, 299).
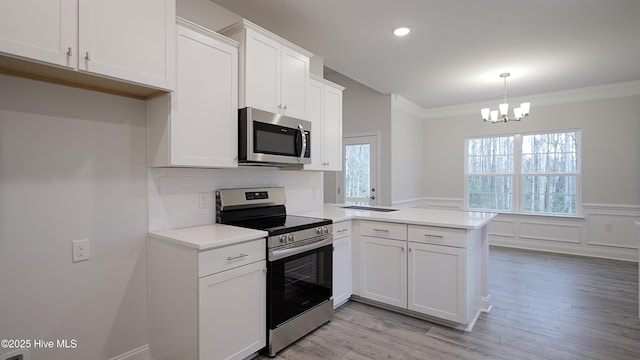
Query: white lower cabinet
point(383, 275)
point(342, 275)
point(437, 281)
point(230, 305)
point(207, 304)
point(427, 270)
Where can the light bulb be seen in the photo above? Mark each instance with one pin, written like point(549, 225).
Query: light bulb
point(525, 108)
point(517, 112)
point(485, 113)
point(504, 109)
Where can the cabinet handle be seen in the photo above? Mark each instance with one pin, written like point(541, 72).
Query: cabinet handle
point(237, 257)
point(402, 249)
point(409, 249)
point(381, 230)
point(69, 52)
point(86, 57)
point(342, 230)
point(284, 108)
point(434, 236)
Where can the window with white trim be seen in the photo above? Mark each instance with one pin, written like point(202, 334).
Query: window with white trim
point(536, 173)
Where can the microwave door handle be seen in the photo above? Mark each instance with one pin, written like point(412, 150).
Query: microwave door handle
point(304, 143)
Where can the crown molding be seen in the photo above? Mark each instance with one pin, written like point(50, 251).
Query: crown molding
point(406, 105)
point(592, 93)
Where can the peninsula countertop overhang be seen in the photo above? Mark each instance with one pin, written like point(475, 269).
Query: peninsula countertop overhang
point(456, 219)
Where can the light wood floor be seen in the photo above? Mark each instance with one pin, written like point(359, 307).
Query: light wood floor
point(545, 306)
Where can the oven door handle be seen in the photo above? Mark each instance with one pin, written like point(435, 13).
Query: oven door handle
point(276, 254)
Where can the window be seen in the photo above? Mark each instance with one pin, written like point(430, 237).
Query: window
point(524, 173)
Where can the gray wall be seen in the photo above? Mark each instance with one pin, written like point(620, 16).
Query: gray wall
point(407, 156)
point(365, 110)
point(72, 166)
point(610, 147)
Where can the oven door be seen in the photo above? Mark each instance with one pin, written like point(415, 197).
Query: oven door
point(298, 282)
point(270, 138)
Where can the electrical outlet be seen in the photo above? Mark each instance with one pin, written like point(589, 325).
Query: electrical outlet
point(203, 200)
point(80, 250)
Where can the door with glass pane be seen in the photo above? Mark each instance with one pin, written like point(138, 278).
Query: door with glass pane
point(358, 180)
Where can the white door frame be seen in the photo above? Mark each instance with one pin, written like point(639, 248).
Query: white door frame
point(374, 139)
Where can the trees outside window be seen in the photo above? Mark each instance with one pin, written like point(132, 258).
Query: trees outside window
point(524, 173)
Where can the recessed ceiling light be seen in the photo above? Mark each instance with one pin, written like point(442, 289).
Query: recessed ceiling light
point(401, 31)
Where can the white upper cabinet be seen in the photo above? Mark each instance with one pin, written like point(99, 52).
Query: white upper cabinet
point(324, 106)
point(118, 40)
point(40, 30)
point(130, 40)
point(196, 125)
point(274, 73)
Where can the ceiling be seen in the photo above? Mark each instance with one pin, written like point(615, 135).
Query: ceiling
point(457, 49)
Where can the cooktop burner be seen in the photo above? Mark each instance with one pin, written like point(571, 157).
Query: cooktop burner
point(282, 224)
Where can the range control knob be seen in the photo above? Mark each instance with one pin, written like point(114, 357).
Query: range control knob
point(319, 231)
point(283, 239)
point(290, 237)
point(325, 230)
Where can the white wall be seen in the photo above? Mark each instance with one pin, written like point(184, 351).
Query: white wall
point(365, 110)
point(610, 171)
point(72, 166)
point(407, 155)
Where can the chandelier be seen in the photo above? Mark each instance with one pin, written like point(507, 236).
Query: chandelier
point(518, 113)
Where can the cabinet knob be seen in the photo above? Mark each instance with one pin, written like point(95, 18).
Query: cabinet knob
point(69, 52)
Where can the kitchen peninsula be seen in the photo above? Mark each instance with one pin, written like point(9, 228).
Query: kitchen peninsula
point(427, 263)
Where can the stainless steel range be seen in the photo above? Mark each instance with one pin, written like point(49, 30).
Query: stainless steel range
point(299, 261)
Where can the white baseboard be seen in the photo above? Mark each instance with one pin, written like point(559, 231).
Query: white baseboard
point(604, 252)
point(141, 353)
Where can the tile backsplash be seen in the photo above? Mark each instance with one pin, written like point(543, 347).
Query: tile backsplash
point(175, 193)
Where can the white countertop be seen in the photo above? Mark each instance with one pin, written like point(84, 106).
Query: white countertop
point(457, 219)
point(209, 236)
point(218, 235)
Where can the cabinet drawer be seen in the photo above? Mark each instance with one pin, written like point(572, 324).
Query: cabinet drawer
point(229, 257)
point(438, 236)
point(341, 229)
point(384, 230)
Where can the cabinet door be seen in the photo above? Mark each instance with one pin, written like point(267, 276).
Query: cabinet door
point(204, 124)
point(40, 30)
point(383, 275)
point(232, 312)
point(332, 129)
point(129, 40)
point(315, 115)
point(294, 79)
point(437, 281)
point(341, 270)
point(262, 72)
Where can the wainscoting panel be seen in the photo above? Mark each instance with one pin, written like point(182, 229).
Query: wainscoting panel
point(503, 228)
point(606, 230)
point(612, 226)
point(551, 231)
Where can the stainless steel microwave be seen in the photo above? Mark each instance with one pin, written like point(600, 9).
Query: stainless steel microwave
point(272, 139)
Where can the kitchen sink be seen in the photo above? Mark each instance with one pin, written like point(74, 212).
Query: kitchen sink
point(368, 208)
